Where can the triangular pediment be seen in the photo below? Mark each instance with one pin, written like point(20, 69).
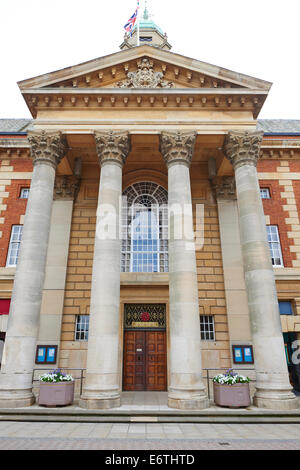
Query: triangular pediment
point(167, 69)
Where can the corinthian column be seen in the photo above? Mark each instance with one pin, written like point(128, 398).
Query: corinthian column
point(186, 388)
point(273, 389)
point(47, 149)
point(102, 386)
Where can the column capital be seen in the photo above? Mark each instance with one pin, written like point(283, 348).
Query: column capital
point(242, 148)
point(112, 146)
point(47, 147)
point(177, 147)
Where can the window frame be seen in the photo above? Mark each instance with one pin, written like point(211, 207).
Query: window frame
point(265, 188)
point(10, 246)
point(278, 242)
point(81, 330)
point(140, 253)
point(291, 304)
point(24, 188)
point(205, 331)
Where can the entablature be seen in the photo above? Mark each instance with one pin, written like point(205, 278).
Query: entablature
point(216, 99)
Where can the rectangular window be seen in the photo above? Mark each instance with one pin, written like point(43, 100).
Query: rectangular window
point(145, 38)
point(207, 327)
point(14, 245)
point(285, 307)
point(274, 244)
point(265, 193)
point(82, 328)
point(24, 193)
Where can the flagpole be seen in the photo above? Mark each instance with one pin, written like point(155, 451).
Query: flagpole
point(138, 28)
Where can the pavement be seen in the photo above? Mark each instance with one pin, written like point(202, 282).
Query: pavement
point(150, 436)
point(145, 422)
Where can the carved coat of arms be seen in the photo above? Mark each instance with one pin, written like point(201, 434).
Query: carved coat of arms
point(145, 77)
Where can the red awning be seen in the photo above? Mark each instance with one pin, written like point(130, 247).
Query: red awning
point(4, 306)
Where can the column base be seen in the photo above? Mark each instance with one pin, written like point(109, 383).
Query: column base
point(187, 399)
point(15, 400)
point(276, 400)
point(99, 403)
point(188, 404)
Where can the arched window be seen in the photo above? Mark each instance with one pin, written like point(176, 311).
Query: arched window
point(144, 228)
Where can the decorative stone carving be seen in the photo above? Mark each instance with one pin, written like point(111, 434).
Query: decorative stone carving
point(145, 77)
point(243, 148)
point(47, 147)
point(112, 146)
point(177, 146)
point(66, 187)
point(224, 187)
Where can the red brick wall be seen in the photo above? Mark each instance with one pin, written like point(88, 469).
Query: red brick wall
point(16, 207)
point(274, 209)
point(268, 165)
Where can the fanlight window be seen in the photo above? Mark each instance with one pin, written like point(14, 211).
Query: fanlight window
point(145, 228)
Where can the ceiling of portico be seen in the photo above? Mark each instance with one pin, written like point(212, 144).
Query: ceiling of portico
point(144, 154)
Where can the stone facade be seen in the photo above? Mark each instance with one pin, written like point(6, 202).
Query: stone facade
point(142, 116)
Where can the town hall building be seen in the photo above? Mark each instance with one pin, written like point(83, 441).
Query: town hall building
point(149, 231)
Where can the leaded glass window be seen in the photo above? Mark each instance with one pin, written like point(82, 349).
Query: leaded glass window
point(144, 228)
point(145, 315)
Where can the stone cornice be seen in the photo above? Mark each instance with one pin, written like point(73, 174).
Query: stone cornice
point(166, 58)
point(177, 147)
point(243, 148)
point(112, 146)
point(233, 99)
point(47, 147)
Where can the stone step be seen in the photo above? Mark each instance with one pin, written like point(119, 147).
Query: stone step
point(140, 415)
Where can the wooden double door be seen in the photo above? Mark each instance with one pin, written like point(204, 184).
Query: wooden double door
point(145, 360)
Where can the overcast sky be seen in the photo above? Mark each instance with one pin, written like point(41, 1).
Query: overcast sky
point(259, 38)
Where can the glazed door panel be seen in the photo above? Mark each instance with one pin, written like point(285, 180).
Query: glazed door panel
point(145, 361)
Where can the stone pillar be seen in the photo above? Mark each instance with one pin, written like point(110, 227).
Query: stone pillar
point(47, 149)
point(102, 389)
point(186, 388)
point(235, 287)
point(273, 389)
point(65, 192)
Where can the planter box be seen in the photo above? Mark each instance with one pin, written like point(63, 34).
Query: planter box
point(234, 396)
point(56, 393)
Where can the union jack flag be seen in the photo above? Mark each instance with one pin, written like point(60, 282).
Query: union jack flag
point(131, 22)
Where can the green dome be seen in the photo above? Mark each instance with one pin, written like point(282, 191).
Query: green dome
point(147, 23)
